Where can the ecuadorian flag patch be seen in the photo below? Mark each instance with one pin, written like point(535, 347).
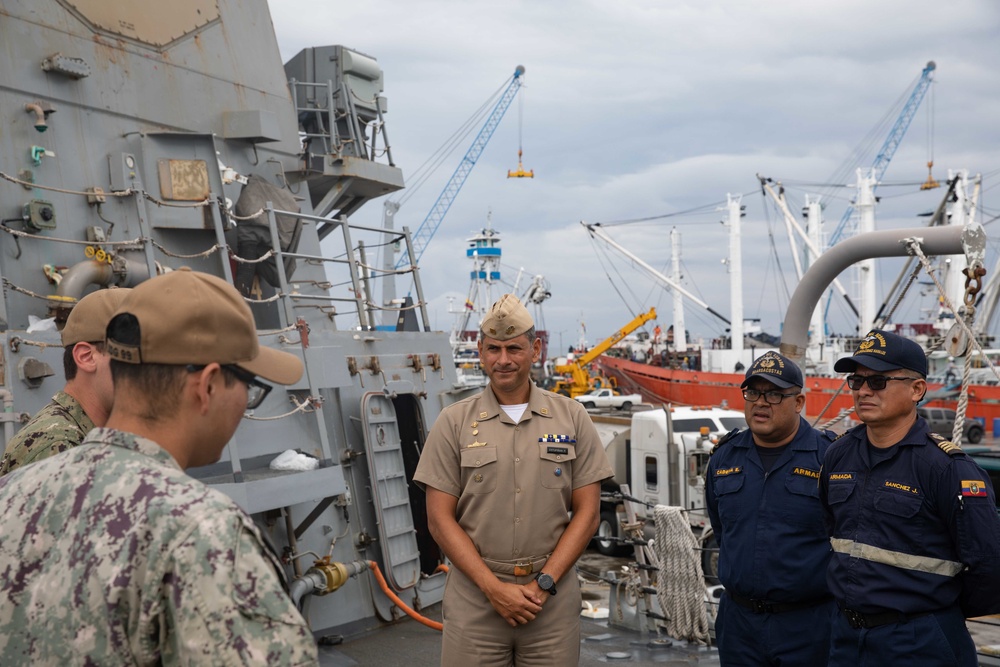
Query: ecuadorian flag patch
point(973, 487)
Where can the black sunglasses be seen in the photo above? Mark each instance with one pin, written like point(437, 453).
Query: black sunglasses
point(875, 382)
point(257, 391)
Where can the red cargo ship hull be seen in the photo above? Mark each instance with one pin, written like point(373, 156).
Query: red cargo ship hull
point(825, 396)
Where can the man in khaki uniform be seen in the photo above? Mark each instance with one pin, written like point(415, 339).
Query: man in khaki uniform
point(85, 401)
point(503, 470)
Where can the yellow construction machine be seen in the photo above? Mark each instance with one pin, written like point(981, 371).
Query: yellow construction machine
point(579, 380)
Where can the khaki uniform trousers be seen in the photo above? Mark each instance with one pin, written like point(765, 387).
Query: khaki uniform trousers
point(476, 635)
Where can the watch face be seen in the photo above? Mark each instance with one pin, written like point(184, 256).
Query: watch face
point(545, 582)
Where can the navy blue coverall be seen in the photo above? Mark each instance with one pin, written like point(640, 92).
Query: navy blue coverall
point(916, 542)
point(773, 552)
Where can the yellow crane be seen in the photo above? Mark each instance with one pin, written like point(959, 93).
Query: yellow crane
point(579, 379)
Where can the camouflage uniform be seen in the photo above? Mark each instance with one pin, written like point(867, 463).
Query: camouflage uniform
point(110, 554)
point(58, 426)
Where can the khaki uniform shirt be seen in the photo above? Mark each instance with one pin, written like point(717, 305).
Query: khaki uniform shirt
point(111, 554)
point(514, 482)
point(61, 424)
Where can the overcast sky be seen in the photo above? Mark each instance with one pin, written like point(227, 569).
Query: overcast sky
point(635, 109)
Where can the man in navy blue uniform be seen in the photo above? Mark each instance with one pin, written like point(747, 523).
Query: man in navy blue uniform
point(762, 491)
point(913, 522)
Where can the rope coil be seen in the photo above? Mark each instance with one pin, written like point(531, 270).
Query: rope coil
point(680, 583)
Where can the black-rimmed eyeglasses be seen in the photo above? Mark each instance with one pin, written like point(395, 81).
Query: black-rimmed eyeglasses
point(772, 397)
point(875, 382)
point(257, 391)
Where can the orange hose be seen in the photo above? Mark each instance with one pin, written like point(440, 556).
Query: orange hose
point(399, 603)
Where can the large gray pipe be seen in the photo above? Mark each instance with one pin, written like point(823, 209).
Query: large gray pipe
point(313, 580)
point(91, 272)
point(890, 243)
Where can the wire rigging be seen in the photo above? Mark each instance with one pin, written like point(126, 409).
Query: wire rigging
point(434, 162)
point(704, 208)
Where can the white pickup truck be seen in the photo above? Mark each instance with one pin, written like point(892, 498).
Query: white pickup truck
point(607, 398)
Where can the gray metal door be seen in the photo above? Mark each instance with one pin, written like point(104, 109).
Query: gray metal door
point(390, 492)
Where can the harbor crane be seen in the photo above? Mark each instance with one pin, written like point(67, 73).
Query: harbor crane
point(520, 172)
point(892, 141)
point(885, 155)
point(425, 232)
point(579, 382)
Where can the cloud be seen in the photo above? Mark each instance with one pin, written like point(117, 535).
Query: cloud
point(636, 109)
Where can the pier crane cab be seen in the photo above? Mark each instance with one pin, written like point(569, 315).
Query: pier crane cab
point(579, 379)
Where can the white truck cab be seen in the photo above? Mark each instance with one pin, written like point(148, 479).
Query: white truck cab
point(663, 462)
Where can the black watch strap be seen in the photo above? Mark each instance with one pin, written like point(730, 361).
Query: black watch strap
point(546, 583)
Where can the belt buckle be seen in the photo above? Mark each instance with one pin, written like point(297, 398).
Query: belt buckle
point(856, 619)
point(523, 569)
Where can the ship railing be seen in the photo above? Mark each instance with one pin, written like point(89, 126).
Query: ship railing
point(316, 123)
point(355, 261)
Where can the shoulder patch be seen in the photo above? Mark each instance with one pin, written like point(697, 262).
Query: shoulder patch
point(946, 446)
point(724, 439)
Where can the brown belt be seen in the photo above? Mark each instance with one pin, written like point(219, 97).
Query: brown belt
point(519, 568)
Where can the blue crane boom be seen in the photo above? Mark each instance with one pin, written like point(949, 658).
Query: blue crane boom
point(430, 225)
point(892, 141)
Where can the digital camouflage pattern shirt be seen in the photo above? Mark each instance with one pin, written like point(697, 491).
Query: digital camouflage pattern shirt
point(61, 424)
point(111, 554)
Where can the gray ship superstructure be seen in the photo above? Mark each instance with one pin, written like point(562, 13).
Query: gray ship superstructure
point(144, 136)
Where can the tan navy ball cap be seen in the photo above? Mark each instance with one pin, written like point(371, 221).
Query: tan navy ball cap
point(187, 317)
point(90, 316)
point(508, 318)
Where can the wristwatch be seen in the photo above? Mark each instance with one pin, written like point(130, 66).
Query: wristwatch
point(546, 583)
